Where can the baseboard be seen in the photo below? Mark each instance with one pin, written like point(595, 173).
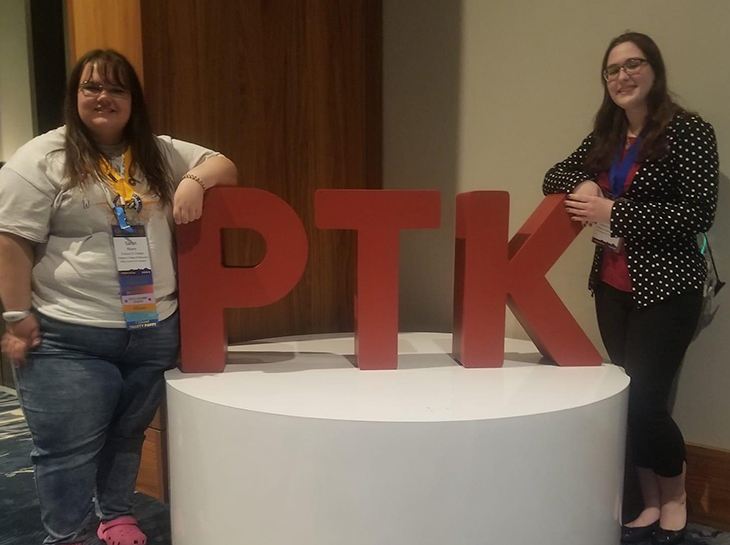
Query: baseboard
point(708, 485)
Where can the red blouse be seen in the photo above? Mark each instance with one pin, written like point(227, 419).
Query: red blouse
point(614, 265)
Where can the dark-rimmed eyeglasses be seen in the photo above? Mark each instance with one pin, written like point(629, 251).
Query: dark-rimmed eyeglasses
point(93, 90)
point(631, 67)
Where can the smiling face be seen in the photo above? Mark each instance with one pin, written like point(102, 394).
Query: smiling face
point(104, 106)
point(629, 91)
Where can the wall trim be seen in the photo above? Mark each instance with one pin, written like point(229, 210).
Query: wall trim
point(708, 485)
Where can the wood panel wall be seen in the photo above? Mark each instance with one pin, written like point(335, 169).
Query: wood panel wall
point(290, 90)
point(114, 24)
point(708, 485)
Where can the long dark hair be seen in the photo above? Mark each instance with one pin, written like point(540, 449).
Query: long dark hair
point(83, 155)
point(610, 125)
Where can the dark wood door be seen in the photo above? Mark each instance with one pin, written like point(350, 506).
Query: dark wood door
point(290, 90)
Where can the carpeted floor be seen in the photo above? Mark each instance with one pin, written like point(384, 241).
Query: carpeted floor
point(20, 517)
point(20, 522)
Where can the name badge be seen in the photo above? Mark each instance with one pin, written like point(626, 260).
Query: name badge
point(134, 267)
point(602, 237)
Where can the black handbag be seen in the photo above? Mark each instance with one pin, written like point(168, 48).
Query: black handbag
point(712, 287)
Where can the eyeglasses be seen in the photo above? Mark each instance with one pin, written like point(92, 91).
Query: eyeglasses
point(92, 89)
point(631, 67)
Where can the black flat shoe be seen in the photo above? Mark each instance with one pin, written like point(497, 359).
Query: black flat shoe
point(638, 534)
point(668, 537)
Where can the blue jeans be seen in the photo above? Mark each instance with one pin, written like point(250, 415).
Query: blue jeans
point(88, 394)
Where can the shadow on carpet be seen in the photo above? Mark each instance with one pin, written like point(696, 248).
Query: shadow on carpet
point(20, 522)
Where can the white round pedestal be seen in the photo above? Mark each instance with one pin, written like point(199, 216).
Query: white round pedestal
point(298, 447)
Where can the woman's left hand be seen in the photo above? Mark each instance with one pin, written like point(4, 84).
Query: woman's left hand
point(588, 208)
point(187, 203)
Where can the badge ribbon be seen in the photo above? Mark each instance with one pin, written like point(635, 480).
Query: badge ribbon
point(131, 252)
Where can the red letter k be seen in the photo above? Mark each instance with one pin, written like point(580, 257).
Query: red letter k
point(490, 273)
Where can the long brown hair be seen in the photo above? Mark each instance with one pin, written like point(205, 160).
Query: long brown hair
point(83, 155)
point(610, 125)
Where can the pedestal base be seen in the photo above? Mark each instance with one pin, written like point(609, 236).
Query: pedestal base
point(305, 449)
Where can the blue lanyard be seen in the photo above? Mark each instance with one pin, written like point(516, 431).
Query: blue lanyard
point(119, 214)
point(620, 168)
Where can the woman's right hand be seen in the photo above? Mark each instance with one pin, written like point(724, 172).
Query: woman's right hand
point(19, 338)
point(589, 188)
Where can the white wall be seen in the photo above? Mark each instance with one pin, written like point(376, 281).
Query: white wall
point(16, 113)
point(489, 94)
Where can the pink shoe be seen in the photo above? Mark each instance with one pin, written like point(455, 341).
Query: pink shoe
point(121, 531)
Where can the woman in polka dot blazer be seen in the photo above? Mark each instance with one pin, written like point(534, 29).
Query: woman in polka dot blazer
point(648, 175)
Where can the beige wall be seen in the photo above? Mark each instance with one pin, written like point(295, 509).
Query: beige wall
point(489, 94)
point(16, 114)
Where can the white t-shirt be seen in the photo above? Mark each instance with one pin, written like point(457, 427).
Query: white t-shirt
point(74, 276)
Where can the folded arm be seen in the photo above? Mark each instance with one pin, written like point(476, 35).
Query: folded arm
point(188, 199)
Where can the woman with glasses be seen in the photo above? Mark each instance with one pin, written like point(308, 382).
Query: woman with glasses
point(87, 279)
point(647, 178)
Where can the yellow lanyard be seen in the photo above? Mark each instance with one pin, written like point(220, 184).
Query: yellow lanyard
point(119, 183)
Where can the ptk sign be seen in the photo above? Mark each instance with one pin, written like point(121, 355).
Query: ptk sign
point(491, 271)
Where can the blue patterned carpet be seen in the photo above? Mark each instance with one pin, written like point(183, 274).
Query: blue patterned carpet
point(20, 517)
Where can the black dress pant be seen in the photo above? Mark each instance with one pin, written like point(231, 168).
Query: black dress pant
point(649, 343)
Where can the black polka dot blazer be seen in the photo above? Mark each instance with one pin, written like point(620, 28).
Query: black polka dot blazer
point(670, 201)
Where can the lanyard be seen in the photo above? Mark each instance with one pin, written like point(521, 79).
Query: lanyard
point(620, 167)
point(119, 182)
point(121, 186)
point(131, 249)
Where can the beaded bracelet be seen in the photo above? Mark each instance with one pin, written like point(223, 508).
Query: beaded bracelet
point(194, 177)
